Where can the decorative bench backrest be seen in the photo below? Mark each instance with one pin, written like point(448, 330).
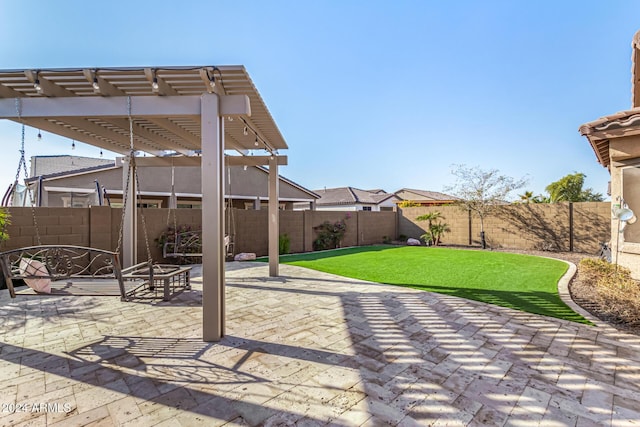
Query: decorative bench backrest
point(62, 262)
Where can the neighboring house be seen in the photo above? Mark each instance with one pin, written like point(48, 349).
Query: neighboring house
point(615, 139)
point(354, 199)
point(425, 198)
point(47, 165)
point(246, 188)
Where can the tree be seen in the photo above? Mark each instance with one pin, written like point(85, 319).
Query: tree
point(569, 189)
point(481, 191)
point(527, 197)
point(435, 228)
point(541, 198)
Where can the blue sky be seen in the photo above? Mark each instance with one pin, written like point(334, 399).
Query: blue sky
point(374, 94)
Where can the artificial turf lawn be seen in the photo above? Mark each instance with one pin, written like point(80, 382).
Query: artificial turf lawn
point(522, 282)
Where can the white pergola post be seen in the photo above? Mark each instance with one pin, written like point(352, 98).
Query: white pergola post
point(274, 217)
point(129, 231)
point(213, 279)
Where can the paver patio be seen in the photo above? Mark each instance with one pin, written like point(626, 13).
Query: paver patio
point(309, 349)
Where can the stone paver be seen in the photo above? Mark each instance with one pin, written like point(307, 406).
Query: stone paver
point(309, 349)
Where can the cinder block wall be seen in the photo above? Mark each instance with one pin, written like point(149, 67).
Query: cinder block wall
point(592, 225)
point(545, 226)
point(376, 227)
point(54, 225)
point(456, 218)
point(557, 226)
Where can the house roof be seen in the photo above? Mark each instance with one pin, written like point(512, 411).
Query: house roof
point(350, 196)
point(47, 165)
point(72, 172)
point(292, 183)
point(623, 123)
point(431, 195)
point(600, 131)
point(38, 98)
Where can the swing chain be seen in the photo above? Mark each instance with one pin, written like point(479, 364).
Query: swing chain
point(23, 164)
point(132, 166)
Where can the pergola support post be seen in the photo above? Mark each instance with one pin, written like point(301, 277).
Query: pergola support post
point(274, 217)
point(213, 277)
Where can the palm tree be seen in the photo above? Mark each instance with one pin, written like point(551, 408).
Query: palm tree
point(431, 218)
point(437, 230)
point(527, 197)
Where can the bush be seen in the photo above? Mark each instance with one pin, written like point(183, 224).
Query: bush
point(169, 235)
point(284, 244)
point(329, 234)
point(617, 293)
point(408, 204)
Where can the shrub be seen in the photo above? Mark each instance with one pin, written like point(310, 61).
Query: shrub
point(435, 228)
point(329, 235)
point(284, 244)
point(169, 235)
point(4, 221)
point(617, 294)
point(408, 204)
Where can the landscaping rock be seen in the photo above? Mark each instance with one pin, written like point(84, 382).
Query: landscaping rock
point(413, 242)
point(245, 256)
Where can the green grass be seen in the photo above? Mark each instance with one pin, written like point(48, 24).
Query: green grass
point(522, 282)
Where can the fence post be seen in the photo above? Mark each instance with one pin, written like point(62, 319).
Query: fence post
point(570, 226)
point(358, 231)
point(470, 228)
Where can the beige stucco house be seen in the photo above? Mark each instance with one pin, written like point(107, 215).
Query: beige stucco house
point(72, 181)
point(355, 199)
point(615, 139)
point(425, 197)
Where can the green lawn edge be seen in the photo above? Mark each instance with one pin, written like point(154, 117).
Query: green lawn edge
point(523, 282)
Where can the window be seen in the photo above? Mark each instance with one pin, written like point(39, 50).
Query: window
point(144, 203)
point(193, 205)
point(366, 208)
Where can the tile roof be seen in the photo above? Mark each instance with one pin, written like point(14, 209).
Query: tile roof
point(600, 131)
point(350, 195)
point(50, 165)
point(433, 195)
point(623, 123)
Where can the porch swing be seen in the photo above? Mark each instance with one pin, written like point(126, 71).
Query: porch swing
point(187, 244)
point(76, 270)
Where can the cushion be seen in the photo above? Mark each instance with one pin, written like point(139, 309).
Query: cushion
point(33, 267)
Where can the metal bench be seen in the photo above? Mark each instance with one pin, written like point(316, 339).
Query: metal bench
point(78, 270)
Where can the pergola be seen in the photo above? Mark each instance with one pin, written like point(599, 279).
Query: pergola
point(197, 112)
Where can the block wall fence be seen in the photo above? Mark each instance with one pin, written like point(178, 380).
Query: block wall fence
point(578, 227)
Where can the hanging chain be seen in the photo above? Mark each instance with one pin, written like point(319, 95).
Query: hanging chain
point(23, 164)
point(132, 167)
point(143, 220)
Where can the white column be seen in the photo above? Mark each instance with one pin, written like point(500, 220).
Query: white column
point(129, 253)
point(274, 217)
point(213, 280)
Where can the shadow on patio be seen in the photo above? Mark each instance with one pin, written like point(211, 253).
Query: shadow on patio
point(314, 349)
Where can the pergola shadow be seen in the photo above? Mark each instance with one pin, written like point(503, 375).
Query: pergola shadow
point(394, 356)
